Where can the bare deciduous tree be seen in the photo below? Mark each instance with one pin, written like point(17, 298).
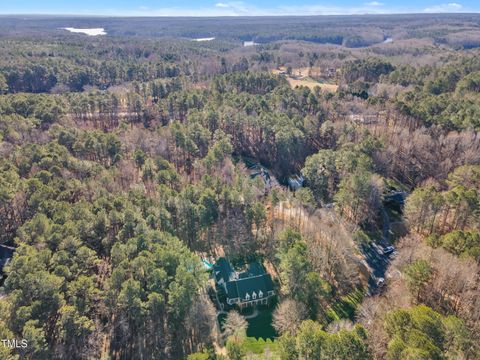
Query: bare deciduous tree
point(288, 316)
point(235, 325)
point(201, 323)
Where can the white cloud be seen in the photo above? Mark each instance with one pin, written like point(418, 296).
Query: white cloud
point(222, 5)
point(444, 8)
point(374, 3)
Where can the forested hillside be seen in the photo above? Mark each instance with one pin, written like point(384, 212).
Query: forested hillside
point(127, 166)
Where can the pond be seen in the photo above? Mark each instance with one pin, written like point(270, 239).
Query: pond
point(250, 43)
point(89, 32)
point(204, 39)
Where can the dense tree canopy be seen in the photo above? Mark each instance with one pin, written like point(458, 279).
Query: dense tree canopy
point(127, 166)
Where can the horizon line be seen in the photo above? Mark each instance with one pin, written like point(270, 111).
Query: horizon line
point(236, 16)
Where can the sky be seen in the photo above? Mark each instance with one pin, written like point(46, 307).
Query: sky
point(234, 8)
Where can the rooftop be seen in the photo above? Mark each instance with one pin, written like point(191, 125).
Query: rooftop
point(252, 282)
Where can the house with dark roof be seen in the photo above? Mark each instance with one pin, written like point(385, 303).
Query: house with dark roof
point(253, 286)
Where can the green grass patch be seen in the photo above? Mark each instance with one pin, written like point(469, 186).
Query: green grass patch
point(346, 306)
point(261, 325)
point(361, 237)
point(258, 346)
point(391, 184)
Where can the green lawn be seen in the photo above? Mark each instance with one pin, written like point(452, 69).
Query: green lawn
point(261, 326)
point(258, 346)
point(346, 307)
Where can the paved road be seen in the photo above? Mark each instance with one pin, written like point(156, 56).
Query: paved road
point(378, 263)
point(374, 256)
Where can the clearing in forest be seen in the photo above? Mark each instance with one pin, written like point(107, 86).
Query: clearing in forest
point(300, 77)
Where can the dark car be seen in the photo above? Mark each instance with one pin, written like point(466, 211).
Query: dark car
point(388, 250)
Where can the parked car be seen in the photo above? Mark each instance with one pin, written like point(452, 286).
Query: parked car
point(388, 250)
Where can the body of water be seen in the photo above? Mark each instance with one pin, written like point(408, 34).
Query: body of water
point(89, 32)
point(204, 39)
point(250, 43)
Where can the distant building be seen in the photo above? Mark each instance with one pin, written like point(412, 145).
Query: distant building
point(364, 119)
point(295, 182)
point(269, 179)
point(259, 170)
point(248, 288)
point(330, 72)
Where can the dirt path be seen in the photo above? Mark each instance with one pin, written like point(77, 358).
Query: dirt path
point(252, 315)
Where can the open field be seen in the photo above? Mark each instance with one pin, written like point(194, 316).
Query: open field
point(310, 83)
point(300, 77)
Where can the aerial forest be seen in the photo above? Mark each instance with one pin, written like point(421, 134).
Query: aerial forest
point(127, 164)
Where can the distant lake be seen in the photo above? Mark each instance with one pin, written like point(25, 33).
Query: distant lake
point(250, 43)
point(204, 39)
point(89, 32)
